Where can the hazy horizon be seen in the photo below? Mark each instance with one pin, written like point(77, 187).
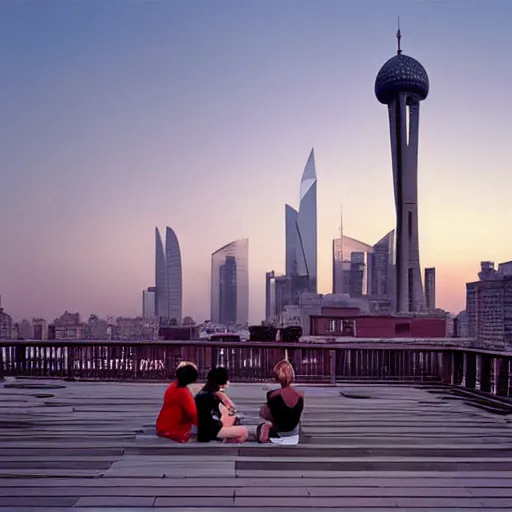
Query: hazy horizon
point(201, 115)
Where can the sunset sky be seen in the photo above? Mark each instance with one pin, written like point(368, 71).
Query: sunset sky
point(119, 116)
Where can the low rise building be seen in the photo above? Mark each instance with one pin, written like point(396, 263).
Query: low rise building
point(68, 327)
point(138, 329)
point(5, 324)
point(354, 325)
point(40, 328)
point(460, 325)
point(489, 306)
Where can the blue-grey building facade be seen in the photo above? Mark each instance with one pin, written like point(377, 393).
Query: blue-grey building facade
point(230, 284)
point(168, 277)
point(301, 231)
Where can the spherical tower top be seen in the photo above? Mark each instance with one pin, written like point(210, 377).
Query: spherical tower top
point(401, 73)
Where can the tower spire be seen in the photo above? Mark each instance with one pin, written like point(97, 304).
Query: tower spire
point(398, 37)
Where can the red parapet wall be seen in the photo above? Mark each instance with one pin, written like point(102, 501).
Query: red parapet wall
point(380, 326)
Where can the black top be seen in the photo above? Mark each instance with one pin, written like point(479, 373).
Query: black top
point(208, 416)
point(285, 418)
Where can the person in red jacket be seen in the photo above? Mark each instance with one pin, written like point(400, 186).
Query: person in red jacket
point(178, 412)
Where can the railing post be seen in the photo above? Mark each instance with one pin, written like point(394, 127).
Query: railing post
point(21, 359)
point(458, 368)
point(332, 367)
point(2, 372)
point(70, 361)
point(470, 369)
point(501, 378)
point(448, 368)
point(485, 373)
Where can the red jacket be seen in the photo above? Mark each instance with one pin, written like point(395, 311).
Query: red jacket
point(177, 415)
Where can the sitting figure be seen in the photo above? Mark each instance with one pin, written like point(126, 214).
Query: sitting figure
point(178, 414)
point(283, 409)
point(227, 403)
point(215, 421)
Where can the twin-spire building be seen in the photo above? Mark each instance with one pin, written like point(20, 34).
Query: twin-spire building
point(168, 277)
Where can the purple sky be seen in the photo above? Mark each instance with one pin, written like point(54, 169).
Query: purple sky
point(122, 116)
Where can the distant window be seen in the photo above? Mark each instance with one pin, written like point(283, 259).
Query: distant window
point(348, 328)
point(402, 329)
point(332, 326)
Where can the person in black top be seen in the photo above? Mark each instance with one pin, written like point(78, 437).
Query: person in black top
point(213, 418)
point(283, 409)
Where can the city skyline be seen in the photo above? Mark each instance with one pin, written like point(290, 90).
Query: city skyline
point(104, 141)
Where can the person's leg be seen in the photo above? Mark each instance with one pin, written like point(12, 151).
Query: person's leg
point(266, 414)
point(237, 434)
point(227, 419)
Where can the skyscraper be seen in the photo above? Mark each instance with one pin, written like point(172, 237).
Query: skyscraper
point(430, 288)
point(161, 300)
point(384, 267)
point(301, 229)
point(269, 294)
point(168, 277)
point(149, 302)
point(228, 291)
point(230, 284)
point(351, 269)
point(401, 84)
point(290, 219)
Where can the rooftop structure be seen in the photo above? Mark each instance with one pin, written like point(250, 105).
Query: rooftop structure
point(362, 447)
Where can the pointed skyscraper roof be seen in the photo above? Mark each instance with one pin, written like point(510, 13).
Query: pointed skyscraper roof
point(309, 175)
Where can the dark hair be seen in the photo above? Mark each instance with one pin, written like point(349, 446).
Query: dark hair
point(216, 378)
point(186, 375)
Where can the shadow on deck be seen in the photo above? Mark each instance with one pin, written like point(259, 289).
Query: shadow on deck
point(91, 445)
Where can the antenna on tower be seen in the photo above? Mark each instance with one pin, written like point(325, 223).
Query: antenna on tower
point(398, 37)
point(341, 249)
point(341, 220)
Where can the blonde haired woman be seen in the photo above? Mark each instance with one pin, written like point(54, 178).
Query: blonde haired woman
point(283, 409)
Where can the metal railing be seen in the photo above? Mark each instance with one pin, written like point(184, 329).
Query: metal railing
point(328, 363)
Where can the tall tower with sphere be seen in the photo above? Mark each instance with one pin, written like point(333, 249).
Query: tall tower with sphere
point(401, 84)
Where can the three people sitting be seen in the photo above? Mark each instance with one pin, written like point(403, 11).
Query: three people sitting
point(212, 414)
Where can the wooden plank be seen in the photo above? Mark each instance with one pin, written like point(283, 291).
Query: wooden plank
point(62, 464)
point(47, 473)
point(402, 444)
point(370, 465)
point(204, 503)
point(313, 503)
point(115, 501)
point(226, 492)
point(470, 482)
point(48, 501)
point(347, 474)
point(438, 503)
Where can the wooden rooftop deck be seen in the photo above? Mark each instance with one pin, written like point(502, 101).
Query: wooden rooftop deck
point(92, 446)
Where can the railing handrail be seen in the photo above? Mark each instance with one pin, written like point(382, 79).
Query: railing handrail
point(415, 345)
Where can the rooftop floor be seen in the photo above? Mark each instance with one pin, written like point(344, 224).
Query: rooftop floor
point(92, 445)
